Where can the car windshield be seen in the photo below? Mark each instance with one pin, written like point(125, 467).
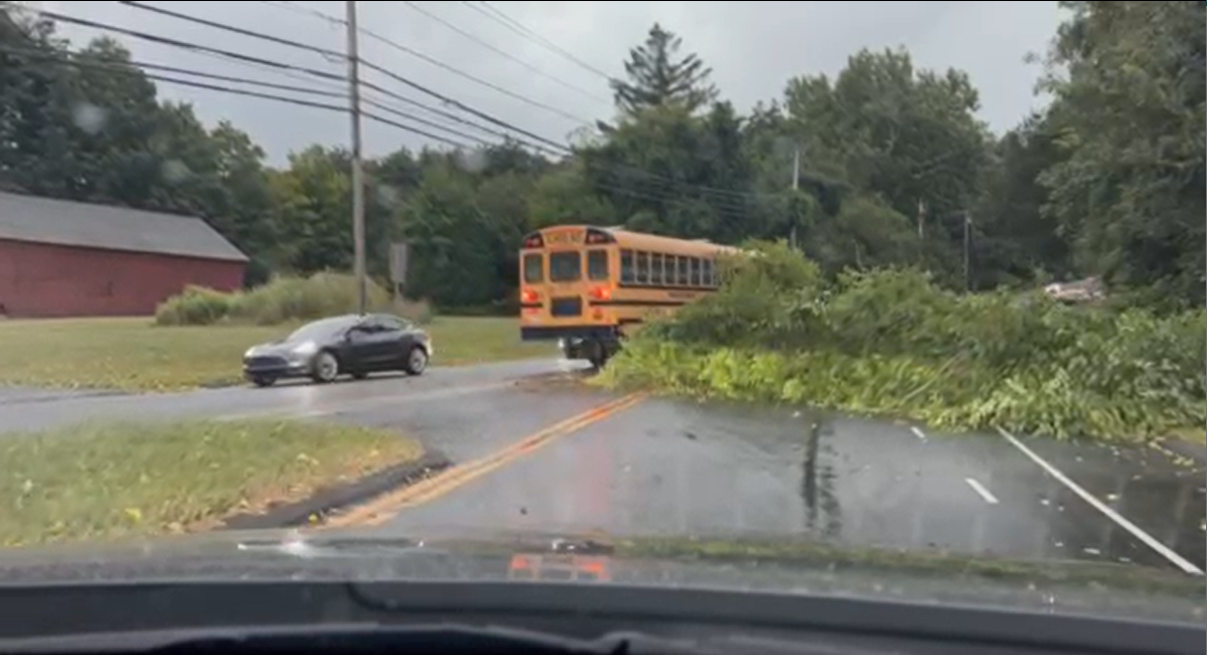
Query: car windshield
point(908, 304)
point(323, 329)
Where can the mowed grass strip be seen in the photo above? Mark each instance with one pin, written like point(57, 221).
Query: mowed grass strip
point(107, 481)
point(133, 354)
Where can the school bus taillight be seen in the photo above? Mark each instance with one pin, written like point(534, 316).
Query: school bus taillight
point(601, 293)
point(528, 296)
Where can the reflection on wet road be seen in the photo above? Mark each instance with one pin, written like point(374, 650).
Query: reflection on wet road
point(681, 468)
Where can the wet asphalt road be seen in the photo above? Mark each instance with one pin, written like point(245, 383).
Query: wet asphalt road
point(681, 468)
point(29, 409)
point(665, 467)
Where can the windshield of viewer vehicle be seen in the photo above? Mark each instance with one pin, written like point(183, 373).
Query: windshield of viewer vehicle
point(902, 301)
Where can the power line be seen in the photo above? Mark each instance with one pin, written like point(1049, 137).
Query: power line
point(663, 196)
point(328, 85)
point(301, 69)
point(126, 68)
point(445, 114)
point(237, 30)
point(558, 148)
point(182, 44)
point(365, 63)
point(386, 121)
point(440, 64)
point(463, 107)
point(720, 193)
point(497, 15)
point(231, 90)
point(477, 80)
point(500, 51)
point(119, 64)
point(423, 121)
point(304, 11)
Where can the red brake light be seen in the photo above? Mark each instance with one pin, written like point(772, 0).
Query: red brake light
point(529, 296)
point(601, 293)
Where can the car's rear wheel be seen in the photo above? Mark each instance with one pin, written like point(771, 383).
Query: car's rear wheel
point(325, 368)
point(263, 381)
point(416, 362)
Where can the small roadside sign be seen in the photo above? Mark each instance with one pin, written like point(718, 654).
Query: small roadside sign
point(399, 254)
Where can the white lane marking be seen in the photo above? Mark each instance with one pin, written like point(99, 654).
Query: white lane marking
point(1118, 518)
point(981, 491)
point(918, 433)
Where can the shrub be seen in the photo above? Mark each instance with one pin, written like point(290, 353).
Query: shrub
point(195, 306)
point(283, 299)
point(891, 342)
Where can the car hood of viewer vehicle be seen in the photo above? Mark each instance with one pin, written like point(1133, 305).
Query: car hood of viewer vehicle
point(748, 564)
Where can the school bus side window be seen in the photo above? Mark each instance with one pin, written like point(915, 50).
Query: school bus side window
point(626, 266)
point(643, 268)
point(669, 276)
point(708, 273)
point(683, 277)
point(534, 268)
point(696, 272)
point(656, 269)
point(597, 265)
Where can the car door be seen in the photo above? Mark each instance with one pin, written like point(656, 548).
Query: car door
point(361, 344)
point(395, 341)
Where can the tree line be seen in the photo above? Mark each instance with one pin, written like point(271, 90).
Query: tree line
point(883, 164)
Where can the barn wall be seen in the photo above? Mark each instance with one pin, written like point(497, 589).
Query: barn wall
point(44, 280)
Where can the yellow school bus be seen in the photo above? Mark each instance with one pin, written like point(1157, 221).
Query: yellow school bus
point(588, 287)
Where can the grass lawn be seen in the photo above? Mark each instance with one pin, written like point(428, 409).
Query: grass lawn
point(112, 480)
point(134, 354)
point(471, 340)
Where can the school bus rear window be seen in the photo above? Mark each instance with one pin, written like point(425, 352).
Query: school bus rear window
point(534, 270)
point(597, 265)
point(565, 266)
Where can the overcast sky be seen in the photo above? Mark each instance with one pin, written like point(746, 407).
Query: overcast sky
point(753, 48)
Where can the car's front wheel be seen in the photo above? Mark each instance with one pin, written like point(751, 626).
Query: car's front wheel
point(325, 368)
point(416, 362)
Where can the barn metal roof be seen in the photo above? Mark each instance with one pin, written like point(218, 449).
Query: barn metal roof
point(67, 223)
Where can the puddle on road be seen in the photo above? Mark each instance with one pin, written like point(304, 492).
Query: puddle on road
point(856, 481)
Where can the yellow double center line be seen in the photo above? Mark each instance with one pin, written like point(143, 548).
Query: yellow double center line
point(384, 507)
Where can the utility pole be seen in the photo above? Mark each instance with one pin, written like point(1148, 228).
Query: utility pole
point(795, 187)
point(921, 217)
point(796, 168)
point(358, 182)
point(967, 251)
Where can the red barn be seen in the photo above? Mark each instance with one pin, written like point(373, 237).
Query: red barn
point(63, 258)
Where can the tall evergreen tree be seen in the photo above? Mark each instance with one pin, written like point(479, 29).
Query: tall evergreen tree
point(659, 77)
